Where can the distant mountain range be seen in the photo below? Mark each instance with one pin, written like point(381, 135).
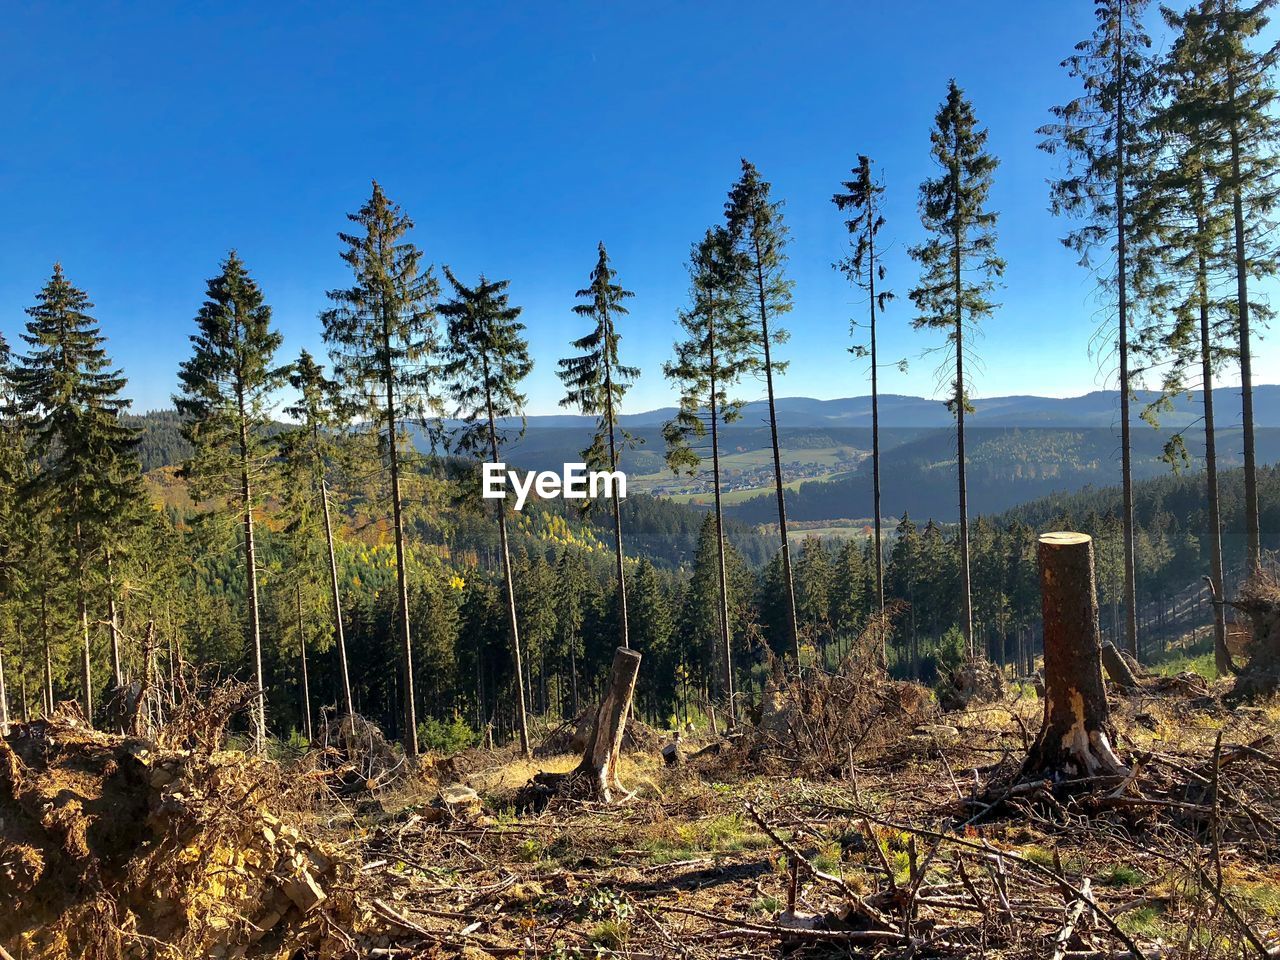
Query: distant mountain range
point(1098, 409)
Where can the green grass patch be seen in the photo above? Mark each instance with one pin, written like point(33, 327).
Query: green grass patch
point(1123, 875)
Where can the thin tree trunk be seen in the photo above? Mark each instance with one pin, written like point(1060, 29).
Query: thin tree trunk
point(4, 698)
point(1126, 450)
point(788, 582)
point(522, 718)
point(1253, 548)
point(617, 502)
point(251, 580)
point(875, 427)
point(306, 684)
point(961, 481)
point(726, 645)
point(82, 609)
point(47, 690)
point(410, 732)
point(113, 625)
point(338, 631)
point(1221, 656)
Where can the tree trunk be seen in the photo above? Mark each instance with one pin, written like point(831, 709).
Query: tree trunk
point(875, 433)
point(600, 759)
point(47, 689)
point(4, 698)
point(410, 732)
point(1118, 668)
point(966, 590)
point(789, 585)
point(113, 625)
point(1221, 656)
point(306, 683)
point(338, 632)
point(1074, 739)
point(82, 609)
point(522, 718)
point(725, 633)
point(617, 501)
point(251, 581)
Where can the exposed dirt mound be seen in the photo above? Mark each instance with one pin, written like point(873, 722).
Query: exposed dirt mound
point(111, 847)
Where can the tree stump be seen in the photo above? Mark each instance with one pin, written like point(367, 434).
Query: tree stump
point(596, 776)
point(1118, 668)
point(600, 759)
point(1075, 736)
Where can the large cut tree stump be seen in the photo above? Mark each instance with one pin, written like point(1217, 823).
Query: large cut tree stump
point(596, 777)
point(1075, 737)
point(600, 759)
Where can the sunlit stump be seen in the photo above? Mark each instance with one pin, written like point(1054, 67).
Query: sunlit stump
point(1075, 737)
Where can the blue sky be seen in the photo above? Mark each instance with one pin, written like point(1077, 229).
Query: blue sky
point(145, 140)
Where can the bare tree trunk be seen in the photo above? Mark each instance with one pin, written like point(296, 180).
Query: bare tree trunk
point(789, 585)
point(875, 429)
point(113, 625)
point(82, 609)
point(1221, 656)
point(410, 732)
point(1075, 738)
point(726, 645)
point(617, 502)
point(600, 758)
point(522, 718)
point(251, 581)
point(1126, 449)
point(961, 398)
point(306, 683)
point(4, 698)
point(338, 632)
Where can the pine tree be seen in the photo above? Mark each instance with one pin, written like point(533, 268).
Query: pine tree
point(382, 338)
point(310, 452)
point(861, 199)
point(596, 382)
point(1191, 232)
point(226, 404)
point(1229, 104)
point(71, 400)
point(760, 238)
point(486, 361)
point(1101, 132)
point(959, 268)
point(707, 365)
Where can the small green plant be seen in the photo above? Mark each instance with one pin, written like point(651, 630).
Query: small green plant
point(450, 736)
point(765, 905)
point(1123, 875)
point(529, 850)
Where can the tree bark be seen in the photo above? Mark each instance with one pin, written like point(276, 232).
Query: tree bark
point(725, 633)
point(113, 625)
point(1074, 739)
point(789, 585)
point(522, 718)
point(600, 759)
point(1118, 668)
point(4, 698)
point(338, 632)
point(966, 589)
point(875, 426)
point(617, 501)
point(410, 733)
point(306, 683)
point(251, 581)
point(82, 609)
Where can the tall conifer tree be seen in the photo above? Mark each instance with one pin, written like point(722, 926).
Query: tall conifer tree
point(226, 403)
point(760, 239)
point(862, 201)
point(310, 452)
point(71, 398)
point(1101, 134)
point(709, 362)
point(959, 267)
point(596, 381)
point(382, 337)
point(486, 361)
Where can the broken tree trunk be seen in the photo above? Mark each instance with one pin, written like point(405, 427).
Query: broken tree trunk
point(1074, 739)
point(596, 776)
point(1118, 668)
point(600, 759)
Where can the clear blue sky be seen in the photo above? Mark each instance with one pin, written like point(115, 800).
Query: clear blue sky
point(145, 140)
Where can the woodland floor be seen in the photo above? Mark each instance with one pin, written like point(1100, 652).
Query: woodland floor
point(685, 868)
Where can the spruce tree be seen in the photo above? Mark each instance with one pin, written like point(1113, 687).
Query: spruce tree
point(1228, 101)
point(486, 360)
point(959, 267)
point(708, 363)
point(310, 452)
point(228, 389)
point(382, 338)
point(760, 238)
point(596, 382)
point(1101, 134)
point(71, 400)
point(861, 200)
